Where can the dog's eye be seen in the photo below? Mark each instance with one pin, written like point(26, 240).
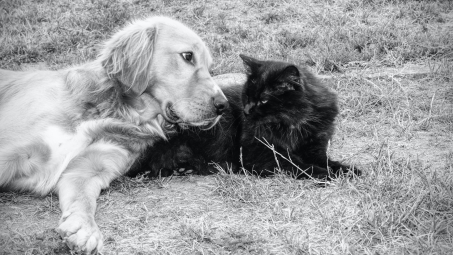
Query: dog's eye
point(188, 56)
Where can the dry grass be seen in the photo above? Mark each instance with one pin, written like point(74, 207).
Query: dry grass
point(397, 128)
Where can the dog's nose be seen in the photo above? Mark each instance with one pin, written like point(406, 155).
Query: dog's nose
point(221, 104)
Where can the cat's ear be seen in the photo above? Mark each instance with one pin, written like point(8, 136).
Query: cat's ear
point(289, 79)
point(249, 63)
point(290, 73)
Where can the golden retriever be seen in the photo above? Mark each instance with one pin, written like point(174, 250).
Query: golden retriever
point(73, 131)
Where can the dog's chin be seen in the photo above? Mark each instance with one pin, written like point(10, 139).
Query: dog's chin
point(203, 124)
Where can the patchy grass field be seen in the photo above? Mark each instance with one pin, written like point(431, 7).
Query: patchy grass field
point(389, 60)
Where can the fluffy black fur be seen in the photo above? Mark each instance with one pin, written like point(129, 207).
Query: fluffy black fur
point(281, 104)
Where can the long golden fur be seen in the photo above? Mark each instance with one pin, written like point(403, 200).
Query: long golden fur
point(73, 131)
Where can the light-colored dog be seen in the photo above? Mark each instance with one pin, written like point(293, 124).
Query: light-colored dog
point(73, 131)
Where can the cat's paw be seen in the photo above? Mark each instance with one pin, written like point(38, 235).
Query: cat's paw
point(163, 172)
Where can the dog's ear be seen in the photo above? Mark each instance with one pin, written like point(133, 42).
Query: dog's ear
point(250, 63)
point(127, 56)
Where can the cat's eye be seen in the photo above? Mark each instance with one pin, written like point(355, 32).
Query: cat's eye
point(187, 56)
point(285, 86)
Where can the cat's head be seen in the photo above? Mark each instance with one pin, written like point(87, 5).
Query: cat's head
point(269, 83)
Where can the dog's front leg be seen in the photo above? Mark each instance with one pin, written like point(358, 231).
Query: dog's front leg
point(78, 205)
point(78, 189)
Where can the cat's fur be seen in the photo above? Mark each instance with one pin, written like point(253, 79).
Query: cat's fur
point(280, 103)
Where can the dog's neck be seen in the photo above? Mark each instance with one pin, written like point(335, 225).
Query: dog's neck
point(106, 97)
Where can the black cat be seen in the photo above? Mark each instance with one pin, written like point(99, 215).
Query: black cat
point(281, 104)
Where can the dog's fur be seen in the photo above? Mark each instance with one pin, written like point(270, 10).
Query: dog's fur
point(73, 131)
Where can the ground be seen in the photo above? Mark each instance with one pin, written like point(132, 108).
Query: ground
point(391, 65)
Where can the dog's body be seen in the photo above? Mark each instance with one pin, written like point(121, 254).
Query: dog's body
point(46, 126)
point(73, 131)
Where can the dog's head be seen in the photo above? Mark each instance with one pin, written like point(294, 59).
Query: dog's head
point(166, 60)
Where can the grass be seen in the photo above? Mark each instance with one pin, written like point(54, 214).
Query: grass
point(397, 128)
point(319, 33)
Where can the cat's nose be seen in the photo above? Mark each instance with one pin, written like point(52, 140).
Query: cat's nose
point(221, 104)
point(248, 107)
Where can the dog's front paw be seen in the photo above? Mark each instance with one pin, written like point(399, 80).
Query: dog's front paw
point(80, 233)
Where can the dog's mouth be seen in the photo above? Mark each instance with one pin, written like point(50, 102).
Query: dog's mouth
point(171, 115)
point(173, 119)
point(203, 125)
point(166, 126)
